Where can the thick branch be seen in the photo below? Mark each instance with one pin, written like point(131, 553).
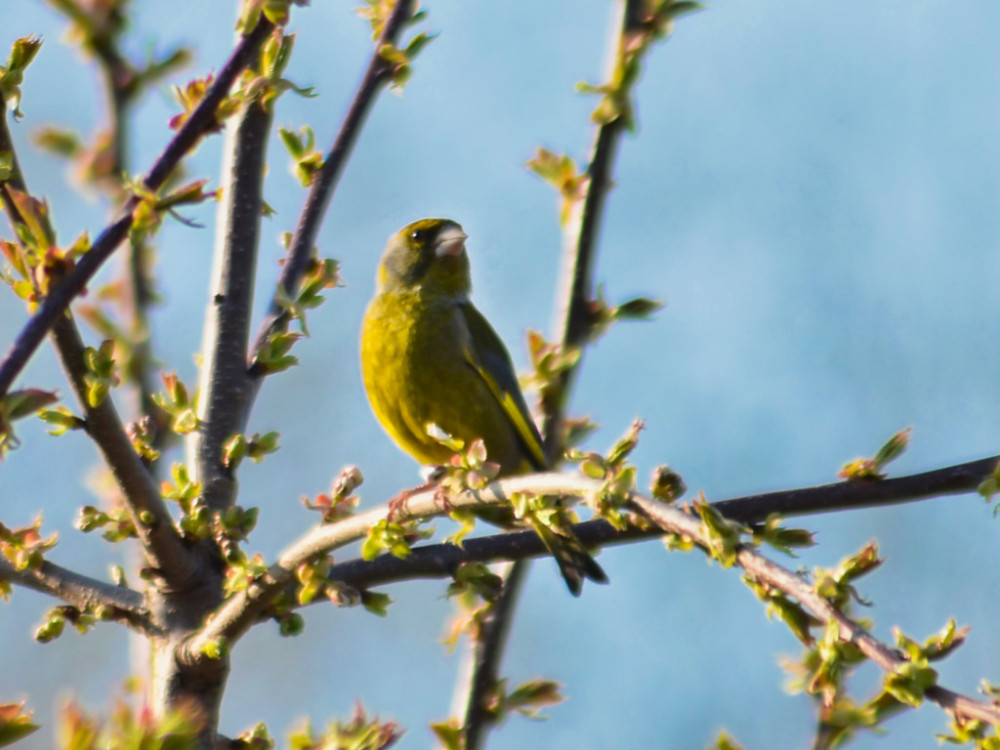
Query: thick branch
point(434, 561)
point(162, 544)
point(83, 592)
point(225, 385)
point(952, 480)
point(141, 495)
point(764, 570)
point(324, 184)
point(239, 612)
point(200, 122)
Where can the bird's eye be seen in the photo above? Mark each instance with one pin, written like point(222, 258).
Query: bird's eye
point(419, 235)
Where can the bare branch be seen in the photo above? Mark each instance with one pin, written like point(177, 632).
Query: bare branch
point(81, 591)
point(952, 480)
point(72, 285)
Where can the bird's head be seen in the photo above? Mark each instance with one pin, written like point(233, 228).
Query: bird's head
point(428, 254)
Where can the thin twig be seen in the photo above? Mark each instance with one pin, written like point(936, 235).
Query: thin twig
point(575, 292)
point(764, 570)
point(119, 84)
point(200, 121)
point(85, 593)
point(324, 184)
point(225, 385)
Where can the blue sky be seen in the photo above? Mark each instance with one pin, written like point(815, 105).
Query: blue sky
point(812, 191)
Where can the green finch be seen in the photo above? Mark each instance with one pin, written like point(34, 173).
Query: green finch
point(429, 357)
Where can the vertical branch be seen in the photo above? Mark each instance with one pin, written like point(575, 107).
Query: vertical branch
point(123, 84)
point(580, 244)
point(225, 386)
point(482, 664)
point(119, 81)
point(480, 668)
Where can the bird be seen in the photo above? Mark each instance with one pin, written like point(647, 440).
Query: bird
point(431, 362)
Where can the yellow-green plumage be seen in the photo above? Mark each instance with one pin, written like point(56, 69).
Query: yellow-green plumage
point(429, 357)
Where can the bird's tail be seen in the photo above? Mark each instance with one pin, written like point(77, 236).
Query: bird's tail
point(575, 562)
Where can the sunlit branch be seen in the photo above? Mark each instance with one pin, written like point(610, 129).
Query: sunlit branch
point(766, 571)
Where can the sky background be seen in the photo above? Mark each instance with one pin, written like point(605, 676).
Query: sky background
point(812, 191)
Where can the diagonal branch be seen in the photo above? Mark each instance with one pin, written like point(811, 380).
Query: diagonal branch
point(87, 594)
point(766, 571)
point(200, 121)
point(149, 514)
point(241, 610)
point(324, 184)
point(163, 546)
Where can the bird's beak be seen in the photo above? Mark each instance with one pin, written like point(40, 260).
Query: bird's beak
point(451, 241)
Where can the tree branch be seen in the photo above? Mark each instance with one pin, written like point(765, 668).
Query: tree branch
point(85, 593)
point(480, 668)
point(441, 560)
point(120, 80)
point(154, 525)
point(225, 386)
point(240, 611)
point(575, 291)
point(164, 548)
point(324, 184)
point(580, 242)
point(687, 524)
point(200, 121)
point(854, 494)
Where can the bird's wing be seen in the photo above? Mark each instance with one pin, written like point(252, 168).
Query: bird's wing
point(485, 352)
